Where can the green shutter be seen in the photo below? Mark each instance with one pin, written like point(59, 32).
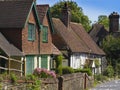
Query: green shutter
point(29, 64)
point(44, 61)
point(45, 34)
point(31, 32)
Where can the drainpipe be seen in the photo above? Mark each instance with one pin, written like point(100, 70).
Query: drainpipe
point(38, 47)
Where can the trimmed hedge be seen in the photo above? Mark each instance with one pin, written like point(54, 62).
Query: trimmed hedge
point(67, 70)
point(86, 70)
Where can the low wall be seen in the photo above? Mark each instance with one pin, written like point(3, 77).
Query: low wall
point(72, 82)
point(49, 84)
point(76, 81)
point(88, 81)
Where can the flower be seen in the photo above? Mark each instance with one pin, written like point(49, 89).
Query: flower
point(44, 73)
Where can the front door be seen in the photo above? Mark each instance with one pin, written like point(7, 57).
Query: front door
point(29, 64)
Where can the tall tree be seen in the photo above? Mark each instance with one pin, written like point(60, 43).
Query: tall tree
point(111, 46)
point(103, 19)
point(77, 14)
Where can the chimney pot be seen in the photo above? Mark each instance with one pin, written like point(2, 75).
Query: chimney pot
point(66, 15)
point(113, 22)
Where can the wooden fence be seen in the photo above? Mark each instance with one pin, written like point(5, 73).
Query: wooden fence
point(8, 67)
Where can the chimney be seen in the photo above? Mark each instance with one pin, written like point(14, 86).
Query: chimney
point(113, 22)
point(66, 15)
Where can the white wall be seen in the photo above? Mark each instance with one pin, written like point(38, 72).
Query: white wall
point(77, 60)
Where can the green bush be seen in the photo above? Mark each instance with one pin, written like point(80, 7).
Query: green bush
point(13, 78)
point(35, 85)
point(59, 64)
point(100, 77)
point(118, 69)
point(67, 70)
point(30, 77)
point(59, 70)
point(59, 61)
point(97, 63)
point(109, 71)
point(86, 70)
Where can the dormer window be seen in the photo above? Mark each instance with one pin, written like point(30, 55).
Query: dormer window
point(31, 31)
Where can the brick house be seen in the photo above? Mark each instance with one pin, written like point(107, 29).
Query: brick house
point(25, 35)
point(74, 42)
point(47, 48)
point(20, 25)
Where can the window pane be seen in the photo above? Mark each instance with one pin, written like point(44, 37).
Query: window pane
point(44, 61)
point(45, 34)
point(31, 31)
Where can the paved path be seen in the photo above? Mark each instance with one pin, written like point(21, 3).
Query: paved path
point(112, 85)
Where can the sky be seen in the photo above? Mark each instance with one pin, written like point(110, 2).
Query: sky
point(92, 8)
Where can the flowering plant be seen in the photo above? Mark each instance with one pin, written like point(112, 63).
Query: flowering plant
point(44, 73)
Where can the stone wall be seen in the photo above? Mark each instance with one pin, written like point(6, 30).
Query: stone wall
point(76, 81)
point(49, 84)
point(72, 82)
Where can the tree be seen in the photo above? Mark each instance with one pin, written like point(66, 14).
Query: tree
point(103, 19)
point(111, 46)
point(77, 14)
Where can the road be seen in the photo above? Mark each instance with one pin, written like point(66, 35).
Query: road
point(112, 85)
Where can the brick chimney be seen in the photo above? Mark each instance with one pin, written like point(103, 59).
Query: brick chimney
point(66, 15)
point(113, 22)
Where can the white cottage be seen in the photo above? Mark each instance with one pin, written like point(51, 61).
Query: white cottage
point(74, 42)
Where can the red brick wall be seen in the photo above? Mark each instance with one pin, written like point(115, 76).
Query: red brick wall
point(30, 47)
point(45, 48)
point(19, 37)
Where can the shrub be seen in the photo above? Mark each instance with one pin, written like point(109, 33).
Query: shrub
point(97, 63)
point(100, 77)
point(86, 70)
point(109, 71)
point(67, 70)
point(35, 85)
point(59, 61)
point(118, 69)
point(13, 78)
point(44, 73)
point(30, 77)
point(59, 70)
point(59, 64)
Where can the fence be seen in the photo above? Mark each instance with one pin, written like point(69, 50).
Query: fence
point(9, 62)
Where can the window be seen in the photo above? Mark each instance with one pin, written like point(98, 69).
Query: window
point(45, 34)
point(31, 32)
point(44, 61)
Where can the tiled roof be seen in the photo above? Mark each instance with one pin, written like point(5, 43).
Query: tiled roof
point(77, 39)
point(49, 49)
point(14, 13)
point(42, 11)
point(86, 39)
point(98, 32)
point(55, 51)
point(8, 48)
point(69, 36)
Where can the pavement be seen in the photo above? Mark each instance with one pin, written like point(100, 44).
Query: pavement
point(111, 85)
